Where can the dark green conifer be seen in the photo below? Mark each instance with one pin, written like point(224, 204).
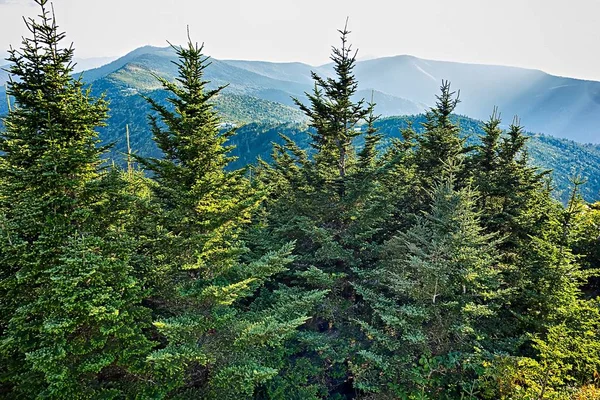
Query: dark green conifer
point(510, 189)
point(331, 202)
point(334, 114)
point(440, 142)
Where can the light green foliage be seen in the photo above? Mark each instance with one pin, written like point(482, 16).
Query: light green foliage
point(584, 237)
point(566, 360)
point(71, 320)
point(209, 337)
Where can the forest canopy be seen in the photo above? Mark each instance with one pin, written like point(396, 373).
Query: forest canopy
point(429, 268)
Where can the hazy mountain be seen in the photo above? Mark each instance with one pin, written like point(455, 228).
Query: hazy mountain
point(391, 105)
point(3, 74)
point(260, 93)
point(558, 106)
point(275, 82)
point(293, 72)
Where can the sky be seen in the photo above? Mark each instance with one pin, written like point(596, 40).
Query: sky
point(557, 36)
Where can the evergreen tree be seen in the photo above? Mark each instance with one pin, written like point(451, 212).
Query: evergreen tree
point(433, 297)
point(584, 242)
point(516, 201)
point(440, 142)
point(331, 202)
point(211, 337)
point(71, 320)
point(334, 115)
point(513, 194)
point(402, 182)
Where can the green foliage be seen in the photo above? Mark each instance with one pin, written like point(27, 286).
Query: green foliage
point(440, 141)
point(72, 321)
point(566, 360)
point(330, 204)
point(433, 299)
point(401, 258)
point(209, 336)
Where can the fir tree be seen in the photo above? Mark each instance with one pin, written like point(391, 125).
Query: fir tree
point(72, 321)
point(509, 186)
point(440, 142)
point(515, 200)
point(334, 114)
point(211, 338)
point(433, 299)
point(331, 202)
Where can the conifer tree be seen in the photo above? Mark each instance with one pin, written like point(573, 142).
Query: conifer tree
point(584, 242)
point(334, 114)
point(433, 297)
point(331, 202)
point(214, 345)
point(515, 200)
point(71, 324)
point(440, 141)
point(510, 189)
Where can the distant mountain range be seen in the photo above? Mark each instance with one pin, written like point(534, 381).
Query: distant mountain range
point(562, 107)
point(81, 64)
point(401, 85)
point(260, 94)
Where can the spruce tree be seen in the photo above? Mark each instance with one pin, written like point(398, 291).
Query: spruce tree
point(515, 200)
point(216, 341)
point(585, 242)
point(440, 142)
point(331, 201)
point(334, 114)
point(510, 189)
point(71, 320)
point(432, 297)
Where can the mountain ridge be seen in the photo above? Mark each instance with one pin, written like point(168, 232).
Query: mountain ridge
point(559, 106)
point(262, 93)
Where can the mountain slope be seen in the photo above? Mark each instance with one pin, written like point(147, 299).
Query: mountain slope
point(558, 106)
point(264, 124)
point(262, 92)
point(81, 64)
point(564, 157)
point(276, 82)
point(553, 105)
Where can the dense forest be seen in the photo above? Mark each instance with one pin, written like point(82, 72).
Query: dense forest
point(351, 263)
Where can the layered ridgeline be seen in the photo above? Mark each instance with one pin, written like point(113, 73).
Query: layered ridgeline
point(260, 94)
point(558, 106)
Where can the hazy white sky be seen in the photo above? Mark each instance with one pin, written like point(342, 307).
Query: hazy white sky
point(558, 36)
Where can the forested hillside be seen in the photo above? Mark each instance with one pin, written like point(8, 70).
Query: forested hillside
point(260, 122)
point(557, 106)
point(365, 258)
point(565, 158)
